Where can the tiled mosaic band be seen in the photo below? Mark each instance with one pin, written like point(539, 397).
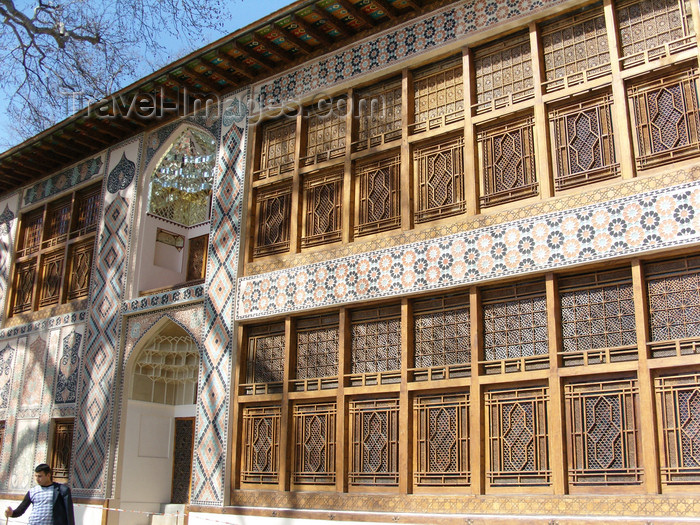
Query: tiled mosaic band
point(647, 222)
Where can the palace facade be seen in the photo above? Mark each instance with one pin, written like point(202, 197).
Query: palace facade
point(369, 261)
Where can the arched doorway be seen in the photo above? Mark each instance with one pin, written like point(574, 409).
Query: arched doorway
point(158, 431)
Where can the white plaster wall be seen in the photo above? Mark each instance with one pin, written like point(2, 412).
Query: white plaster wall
point(161, 265)
point(146, 478)
point(147, 468)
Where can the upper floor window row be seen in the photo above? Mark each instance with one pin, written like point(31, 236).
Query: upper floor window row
point(54, 251)
point(574, 50)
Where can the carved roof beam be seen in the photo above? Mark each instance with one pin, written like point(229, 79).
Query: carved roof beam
point(331, 21)
point(359, 14)
point(298, 42)
point(318, 35)
point(390, 11)
point(257, 59)
point(231, 64)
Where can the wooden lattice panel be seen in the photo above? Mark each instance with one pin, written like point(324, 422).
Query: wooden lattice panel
point(442, 440)
point(503, 74)
point(507, 153)
point(649, 29)
point(57, 223)
point(314, 444)
point(379, 115)
point(317, 347)
point(376, 340)
point(23, 289)
point(323, 197)
point(277, 148)
point(87, 211)
point(518, 452)
point(440, 169)
point(438, 95)
point(442, 338)
point(583, 142)
point(603, 433)
point(32, 225)
point(667, 121)
point(79, 269)
point(678, 402)
point(515, 327)
point(265, 360)
point(261, 442)
point(325, 134)
point(61, 450)
point(575, 49)
point(274, 208)
point(673, 292)
point(197, 257)
point(379, 199)
point(597, 312)
point(374, 446)
point(51, 272)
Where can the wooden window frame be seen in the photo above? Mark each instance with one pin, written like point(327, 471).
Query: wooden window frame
point(498, 60)
point(443, 80)
point(562, 62)
point(273, 136)
point(328, 125)
point(589, 440)
point(494, 189)
point(314, 422)
point(648, 152)
point(255, 380)
point(630, 53)
point(498, 404)
point(364, 225)
point(564, 134)
point(313, 185)
point(619, 282)
point(253, 471)
point(373, 127)
point(52, 236)
point(454, 201)
point(264, 199)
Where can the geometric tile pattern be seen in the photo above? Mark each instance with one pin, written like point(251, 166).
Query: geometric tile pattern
point(67, 378)
point(7, 359)
point(209, 469)
point(642, 223)
point(160, 300)
point(44, 324)
point(97, 373)
point(380, 51)
point(8, 222)
point(63, 181)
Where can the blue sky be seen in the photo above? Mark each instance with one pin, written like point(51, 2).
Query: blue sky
point(244, 13)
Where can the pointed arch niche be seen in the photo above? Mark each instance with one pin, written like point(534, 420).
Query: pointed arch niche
point(157, 430)
point(175, 212)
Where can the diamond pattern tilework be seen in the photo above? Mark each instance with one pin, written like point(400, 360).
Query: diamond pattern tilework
point(96, 381)
point(8, 224)
point(646, 222)
point(212, 411)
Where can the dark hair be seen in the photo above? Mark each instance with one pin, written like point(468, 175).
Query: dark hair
point(43, 467)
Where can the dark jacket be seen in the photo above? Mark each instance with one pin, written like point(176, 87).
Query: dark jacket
point(62, 505)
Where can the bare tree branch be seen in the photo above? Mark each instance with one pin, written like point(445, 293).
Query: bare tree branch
point(64, 51)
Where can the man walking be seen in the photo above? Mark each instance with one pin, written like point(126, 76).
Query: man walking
point(52, 502)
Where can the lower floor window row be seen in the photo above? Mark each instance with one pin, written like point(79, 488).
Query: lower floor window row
point(603, 432)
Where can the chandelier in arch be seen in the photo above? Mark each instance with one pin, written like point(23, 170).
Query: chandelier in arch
point(181, 183)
